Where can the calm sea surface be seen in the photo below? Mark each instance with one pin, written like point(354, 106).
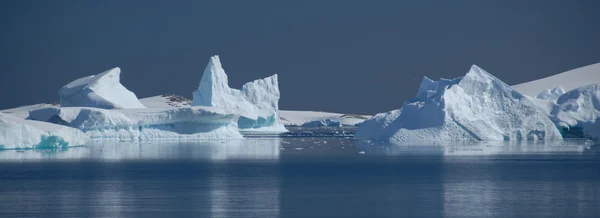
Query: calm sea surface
point(301, 177)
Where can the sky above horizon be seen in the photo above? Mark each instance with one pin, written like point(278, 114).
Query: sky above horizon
point(341, 56)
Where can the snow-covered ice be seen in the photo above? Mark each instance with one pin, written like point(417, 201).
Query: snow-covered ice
point(147, 123)
point(579, 110)
point(257, 100)
point(166, 101)
point(16, 132)
point(23, 111)
point(103, 90)
point(477, 106)
point(569, 80)
point(551, 94)
point(317, 118)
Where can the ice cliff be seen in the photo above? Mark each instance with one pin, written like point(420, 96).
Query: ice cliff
point(144, 124)
point(17, 133)
point(257, 100)
point(578, 112)
point(103, 90)
point(477, 107)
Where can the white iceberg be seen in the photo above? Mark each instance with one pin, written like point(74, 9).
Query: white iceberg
point(102, 91)
point(145, 124)
point(17, 133)
point(318, 119)
point(578, 112)
point(257, 100)
point(551, 94)
point(477, 107)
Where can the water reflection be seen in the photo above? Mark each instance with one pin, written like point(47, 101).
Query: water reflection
point(476, 148)
point(263, 149)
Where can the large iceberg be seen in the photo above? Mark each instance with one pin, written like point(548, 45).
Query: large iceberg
point(144, 124)
point(16, 133)
point(477, 107)
point(102, 91)
point(578, 112)
point(257, 101)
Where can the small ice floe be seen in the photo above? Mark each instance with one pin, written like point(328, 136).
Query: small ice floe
point(361, 152)
point(298, 149)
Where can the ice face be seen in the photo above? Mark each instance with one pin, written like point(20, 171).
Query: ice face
point(145, 124)
point(551, 94)
point(257, 100)
point(578, 110)
point(101, 91)
point(16, 132)
point(477, 106)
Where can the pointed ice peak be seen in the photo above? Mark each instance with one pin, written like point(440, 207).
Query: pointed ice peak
point(257, 100)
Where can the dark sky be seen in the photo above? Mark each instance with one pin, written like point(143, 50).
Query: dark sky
point(340, 56)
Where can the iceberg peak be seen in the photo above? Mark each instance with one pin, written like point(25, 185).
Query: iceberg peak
point(103, 90)
point(257, 101)
point(477, 107)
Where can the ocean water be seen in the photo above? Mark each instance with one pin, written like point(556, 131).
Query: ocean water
point(308, 176)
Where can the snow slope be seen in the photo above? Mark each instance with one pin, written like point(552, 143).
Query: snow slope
point(477, 106)
point(16, 132)
point(316, 118)
point(568, 80)
point(102, 91)
point(145, 124)
point(257, 100)
point(23, 111)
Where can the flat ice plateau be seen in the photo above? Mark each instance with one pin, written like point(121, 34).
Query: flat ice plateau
point(476, 107)
point(146, 123)
point(18, 133)
point(320, 119)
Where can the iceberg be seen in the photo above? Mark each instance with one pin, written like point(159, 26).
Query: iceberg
point(257, 101)
point(319, 119)
point(18, 133)
point(577, 112)
point(102, 91)
point(551, 94)
point(476, 107)
point(145, 124)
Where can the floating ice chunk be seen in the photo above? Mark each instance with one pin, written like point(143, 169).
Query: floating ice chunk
point(147, 123)
point(257, 100)
point(477, 106)
point(16, 132)
point(102, 91)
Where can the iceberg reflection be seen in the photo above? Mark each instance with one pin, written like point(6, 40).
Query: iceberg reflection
point(263, 149)
point(476, 148)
